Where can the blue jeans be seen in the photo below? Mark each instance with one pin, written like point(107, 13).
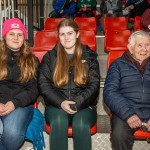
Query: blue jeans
point(14, 128)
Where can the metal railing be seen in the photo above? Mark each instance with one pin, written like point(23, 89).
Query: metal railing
point(32, 13)
point(6, 11)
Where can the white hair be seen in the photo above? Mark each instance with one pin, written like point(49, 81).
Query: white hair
point(136, 34)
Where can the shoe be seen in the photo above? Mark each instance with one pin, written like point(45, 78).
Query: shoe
point(125, 12)
point(29, 148)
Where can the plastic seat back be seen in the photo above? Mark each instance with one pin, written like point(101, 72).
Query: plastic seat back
point(39, 54)
point(115, 23)
point(52, 23)
point(116, 40)
point(113, 55)
point(137, 23)
point(139, 134)
point(88, 23)
point(45, 40)
point(88, 38)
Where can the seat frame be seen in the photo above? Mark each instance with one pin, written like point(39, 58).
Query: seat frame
point(93, 129)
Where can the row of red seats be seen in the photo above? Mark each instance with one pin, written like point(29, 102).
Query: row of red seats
point(114, 39)
point(46, 40)
point(117, 32)
point(84, 23)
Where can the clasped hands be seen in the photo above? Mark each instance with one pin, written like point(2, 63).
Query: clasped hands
point(65, 105)
point(135, 122)
point(6, 108)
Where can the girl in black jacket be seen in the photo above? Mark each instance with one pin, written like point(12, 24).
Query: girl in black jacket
point(68, 80)
point(18, 84)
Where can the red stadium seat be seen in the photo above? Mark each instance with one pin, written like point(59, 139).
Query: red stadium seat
point(93, 129)
point(139, 134)
point(116, 40)
point(115, 23)
point(88, 38)
point(52, 23)
point(88, 23)
point(112, 55)
point(44, 40)
point(39, 54)
point(131, 20)
point(137, 23)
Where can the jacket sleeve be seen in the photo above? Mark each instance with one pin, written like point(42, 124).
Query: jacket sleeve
point(58, 5)
point(50, 94)
point(117, 103)
point(88, 95)
point(71, 10)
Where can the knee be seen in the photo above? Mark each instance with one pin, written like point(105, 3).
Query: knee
point(13, 139)
point(117, 135)
point(59, 122)
point(80, 127)
point(120, 135)
point(14, 134)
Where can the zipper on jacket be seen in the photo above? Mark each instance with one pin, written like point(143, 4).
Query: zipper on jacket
point(69, 82)
point(142, 88)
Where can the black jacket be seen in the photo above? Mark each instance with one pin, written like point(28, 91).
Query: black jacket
point(21, 94)
point(84, 96)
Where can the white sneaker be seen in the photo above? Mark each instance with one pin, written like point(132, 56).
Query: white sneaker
point(125, 12)
point(29, 148)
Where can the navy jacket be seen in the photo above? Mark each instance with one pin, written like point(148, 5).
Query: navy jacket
point(126, 92)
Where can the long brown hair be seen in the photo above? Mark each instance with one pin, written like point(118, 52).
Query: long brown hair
point(60, 76)
point(26, 61)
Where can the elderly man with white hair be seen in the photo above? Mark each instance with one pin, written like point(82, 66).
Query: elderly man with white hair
point(127, 91)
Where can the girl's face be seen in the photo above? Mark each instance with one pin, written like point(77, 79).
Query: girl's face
point(14, 39)
point(68, 38)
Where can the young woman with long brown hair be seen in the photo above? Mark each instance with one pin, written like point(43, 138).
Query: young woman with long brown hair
point(18, 84)
point(69, 81)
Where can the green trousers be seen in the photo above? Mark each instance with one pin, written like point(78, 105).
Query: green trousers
point(81, 123)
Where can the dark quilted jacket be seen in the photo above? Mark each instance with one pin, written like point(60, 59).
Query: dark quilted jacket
point(126, 92)
point(84, 96)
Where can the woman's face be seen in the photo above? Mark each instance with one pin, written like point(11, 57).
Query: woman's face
point(141, 49)
point(14, 39)
point(68, 38)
